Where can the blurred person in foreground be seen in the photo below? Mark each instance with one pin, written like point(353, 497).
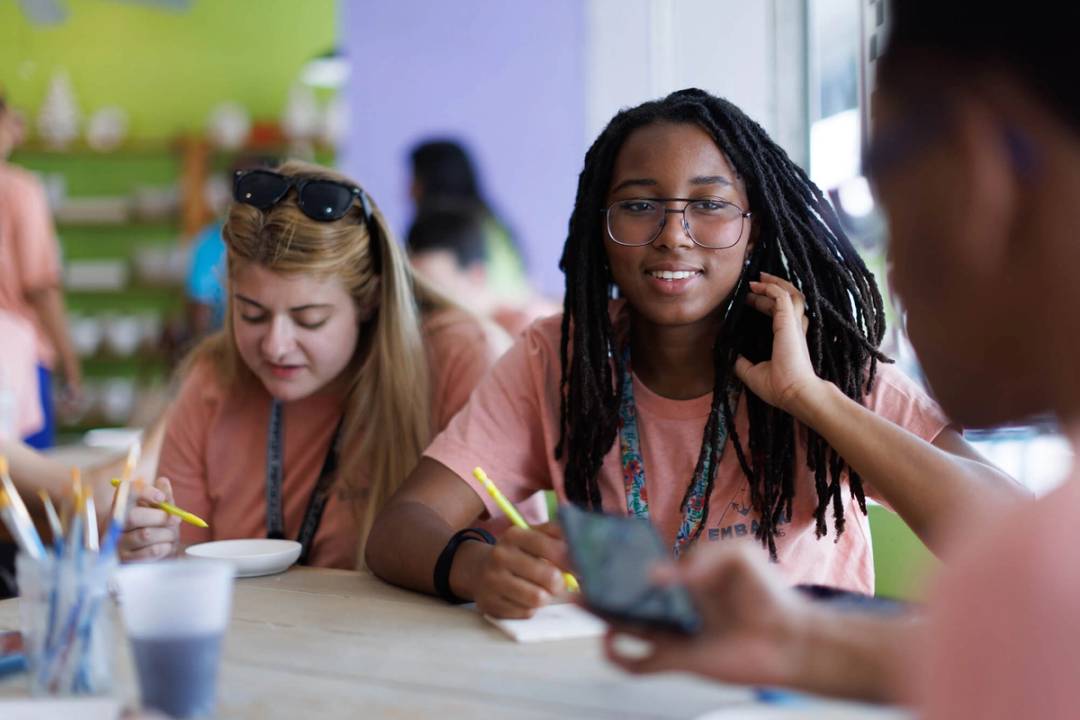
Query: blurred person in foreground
point(975, 155)
point(30, 281)
point(33, 471)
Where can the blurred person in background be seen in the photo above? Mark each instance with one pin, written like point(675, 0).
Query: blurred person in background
point(204, 286)
point(448, 245)
point(30, 281)
point(20, 399)
point(443, 174)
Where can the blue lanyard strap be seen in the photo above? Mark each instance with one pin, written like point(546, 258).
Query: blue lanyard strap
point(633, 466)
point(275, 522)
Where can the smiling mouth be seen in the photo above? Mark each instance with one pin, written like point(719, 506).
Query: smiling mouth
point(672, 275)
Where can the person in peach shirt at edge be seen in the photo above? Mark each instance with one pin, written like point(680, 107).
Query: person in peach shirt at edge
point(334, 369)
point(975, 156)
point(665, 404)
point(30, 275)
point(448, 246)
point(20, 402)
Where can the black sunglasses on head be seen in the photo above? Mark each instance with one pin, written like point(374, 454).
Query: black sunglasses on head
point(319, 199)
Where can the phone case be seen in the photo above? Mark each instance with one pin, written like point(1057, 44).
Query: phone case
point(612, 556)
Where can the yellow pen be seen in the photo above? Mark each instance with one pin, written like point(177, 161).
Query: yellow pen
point(173, 510)
point(514, 516)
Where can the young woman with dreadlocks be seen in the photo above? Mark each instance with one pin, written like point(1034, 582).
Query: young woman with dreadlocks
point(734, 389)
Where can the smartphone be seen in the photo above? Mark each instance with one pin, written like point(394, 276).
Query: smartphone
point(849, 600)
point(612, 556)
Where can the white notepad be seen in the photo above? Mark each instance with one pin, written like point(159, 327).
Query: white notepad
point(814, 709)
point(45, 709)
point(552, 622)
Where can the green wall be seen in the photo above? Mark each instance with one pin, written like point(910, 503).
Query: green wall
point(167, 69)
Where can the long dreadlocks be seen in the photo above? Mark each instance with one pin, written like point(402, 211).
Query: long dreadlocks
point(798, 238)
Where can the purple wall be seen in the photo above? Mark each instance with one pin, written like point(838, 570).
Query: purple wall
point(505, 78)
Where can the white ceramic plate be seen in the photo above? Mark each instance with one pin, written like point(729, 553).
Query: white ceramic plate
point(250, 557)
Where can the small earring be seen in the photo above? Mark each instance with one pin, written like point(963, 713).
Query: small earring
point(747, 263)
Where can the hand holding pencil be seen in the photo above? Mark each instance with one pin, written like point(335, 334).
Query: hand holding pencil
point(525, 570)
point(184, 515)
point(150, 533)
point(514, 516)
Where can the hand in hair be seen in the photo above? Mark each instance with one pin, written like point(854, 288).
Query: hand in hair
point(522, 572)
point(788, 376)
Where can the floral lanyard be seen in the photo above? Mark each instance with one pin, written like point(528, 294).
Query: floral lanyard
point(633, 466)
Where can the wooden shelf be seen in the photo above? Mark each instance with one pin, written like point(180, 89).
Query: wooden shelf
point(82, 150)
point(170, 225)
point(278, 151)
point(143, 369)
point(168, 301)
point(135, 288)
point(140, 358)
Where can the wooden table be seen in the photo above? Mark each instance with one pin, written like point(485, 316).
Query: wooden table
point(330, 643)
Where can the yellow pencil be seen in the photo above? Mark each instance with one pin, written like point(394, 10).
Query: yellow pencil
point(173, 510)
point(514, 516)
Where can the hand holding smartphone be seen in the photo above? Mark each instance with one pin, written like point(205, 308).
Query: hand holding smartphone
point(612, 557)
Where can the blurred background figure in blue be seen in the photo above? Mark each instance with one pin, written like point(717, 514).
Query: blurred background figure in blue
point(204, 285)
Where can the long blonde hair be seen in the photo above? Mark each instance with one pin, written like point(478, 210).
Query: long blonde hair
point(389, 400)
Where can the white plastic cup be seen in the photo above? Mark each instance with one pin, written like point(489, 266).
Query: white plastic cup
point(66, 625)
point(176, 613)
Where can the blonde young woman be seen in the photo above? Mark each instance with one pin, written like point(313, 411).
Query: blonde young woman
point(334, 369)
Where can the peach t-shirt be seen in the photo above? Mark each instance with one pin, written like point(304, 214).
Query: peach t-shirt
point(214, 451)
point(1003, 637)
point(29, 252)
point(516, 318)
point(19, 374)
point(511, 425)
